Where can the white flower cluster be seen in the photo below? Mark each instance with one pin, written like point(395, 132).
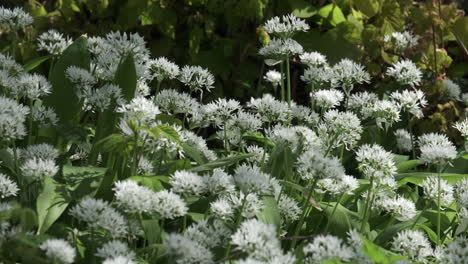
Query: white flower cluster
point(413, 244)
point(411, 101)
point(436, 149)
point(403, 140)
point(38, 162)
point(462, 127)
point(405, 72)
point(280, 48)
point(286, 26)
point(401, 41)
point(7, 187)
point(12, 119)
point(196, 78)
point(451, 89)
point(347, 73)
point(58, 251)
point(53, 42)
point(375, 162)
point(14, 19)
point(163, 69)
point(340, 128)
point(327, 99)
point(431, 190)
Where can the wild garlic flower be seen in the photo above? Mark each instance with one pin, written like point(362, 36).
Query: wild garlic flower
point(270, 109)
point(327, 99)
point(14, 19)
point(187, 183)
point(340, 128)
point(173, 102)
point(32, 86)
point(101, 98)
point(451, 89)
point(405, 72)
point(260, 155)
point(169, 205)
point(98, 214)
point(58, 251)
point(436, 149)
point(412, 244)
point(327, 247)
point(42, 151)
point(196, 78)
point(289, 208)
point(37, 169)
point(145, 166)
point(163, 69)
point(115, 248)
point(219, 182)
point(12, 118)
point(464, 98)
point(9, 65)
point(319, 76)
point(221, 110)
point(313, 59)
point(455, 252)
point(335, 186)
point(118, 260)
point(249, 205)
point(347, 73)
point(244, 122)
point(399, 207)
point(7, 187)
point(257, 239)
point(206, 234)
point(186, 251)
point(133, 198)
point(312, 164)
point(286, 26)
point(273, 77)
point(361, 102)
point(252, 179)
point(304, 115)
point(401, 40)
point(462, 127)
point(403, 140)
point(199, 143)
point(44, 116)
point(431, 190)
point(53, 42)
point(141, 110)
point(411, 101)
point(375, 162)
point(281, 48)
point(295, 137)
point(385, 112)
point(222, 209)
point(461, 193)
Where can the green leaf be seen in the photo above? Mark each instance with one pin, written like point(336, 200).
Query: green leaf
point(430, 233)
point(387, 234)
point(407, 165)
point(126, 77)
point(194, 153)
point(51, 203)
point(259, 138)
point(196, 216)
point(301, 8)
point(281, 161)
point(378, 254)
point(63, 98)
point(152, 182)
point(460, 30)
point(332, 13)
point(270, 213)
point(34, 63)
point(169, 132)
point(418, 177)
point(152, 230)
point(224, 162)
point(368, 7)
point(343, 219)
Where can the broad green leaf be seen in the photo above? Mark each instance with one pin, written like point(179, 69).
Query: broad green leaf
point(224, 162)
point(169, 132)
point(26, 217)
point(387, 234)
point(407, 165)
point(332, 13)
point(378, 254)
point(418, 177)
point(343, 219)
point(430, 233)
point(270, 213)
point(281, 162)
point(63, 98)
point(369, 7)
point(152, 230)
point(152, 182)
point(259, 138)
point(34, 63)
point(302, 8)
point(51, 203)
point(194, 153)
point(196, 216)
point(400, 158)
point(460, 30)
point(82, 181)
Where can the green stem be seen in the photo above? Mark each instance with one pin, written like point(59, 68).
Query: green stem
point(236, 225)
point(305, 207)
point(158, 86)
point(438, 206)
point(333, 211)
point(288, 80)
point(366, 208)
point(135, 156)
point(282, 82)
point(30, 125)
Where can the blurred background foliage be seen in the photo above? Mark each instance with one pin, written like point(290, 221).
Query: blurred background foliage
point(225, 35)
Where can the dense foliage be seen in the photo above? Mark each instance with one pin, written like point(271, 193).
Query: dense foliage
point(354, 148)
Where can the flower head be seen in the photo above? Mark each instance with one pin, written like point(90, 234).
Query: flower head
point(58, 251)
point(12, 118)
point(327, 99)
point(196, 78)
point(7, 187)
point(411, 101)
point(163, 69)
point(273, 77)
point(431, 190)
point(313, 59)
point(436, 149)
point(451, 89)
point(14, 19)
point(327, 247)
point(340, 128)
point(401, 40)
point(280, 48)
point(187, 183)
point(347, 73)
point(405, 72)
point(53, 42)
point(403, 140)
point(286, 26)
point(413, 244)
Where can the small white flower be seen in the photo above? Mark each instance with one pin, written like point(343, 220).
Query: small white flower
point(347, 73)
point(327, 247)
point(401, 40)
point(405, 72)
point(196, 78)
point(133, 198)
point(403, 140)
point(431, 190)
point(219, 182)
point(221, 110)
point(313, 164)
point(7, 187)
point(14, 19)
point(251, 179)
point(413, 244)
point(411, 101)
point(260, 155)
point(40, 151)
point(270, 109)
point(295, 137)
point(286, 26)
point(361, 102)
point(169, 205)
point(222, 208)
point(340, 128)
point(280, 48)
point(375, 162)
point(118, 260)
point(462, 127)
point(461, 193)
point(208, 235)
point(173, 102)
point(455, 252)
point(37, 169)
point(44, 116)
point(436, 149)
point(58, 251)
point(384, 112)
point(12, 119)
point(288, 208)
point(164, 69)
point(313, 59)
point(451, 89)
point(319, 76)
point(187, 251)
point(115, 248)
point(187, 183)
point(273, 77)
point(32, 86)
point(9, 65)
point(140, 109)
point(402, 209)
point(327, 99)
point(53, 42)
